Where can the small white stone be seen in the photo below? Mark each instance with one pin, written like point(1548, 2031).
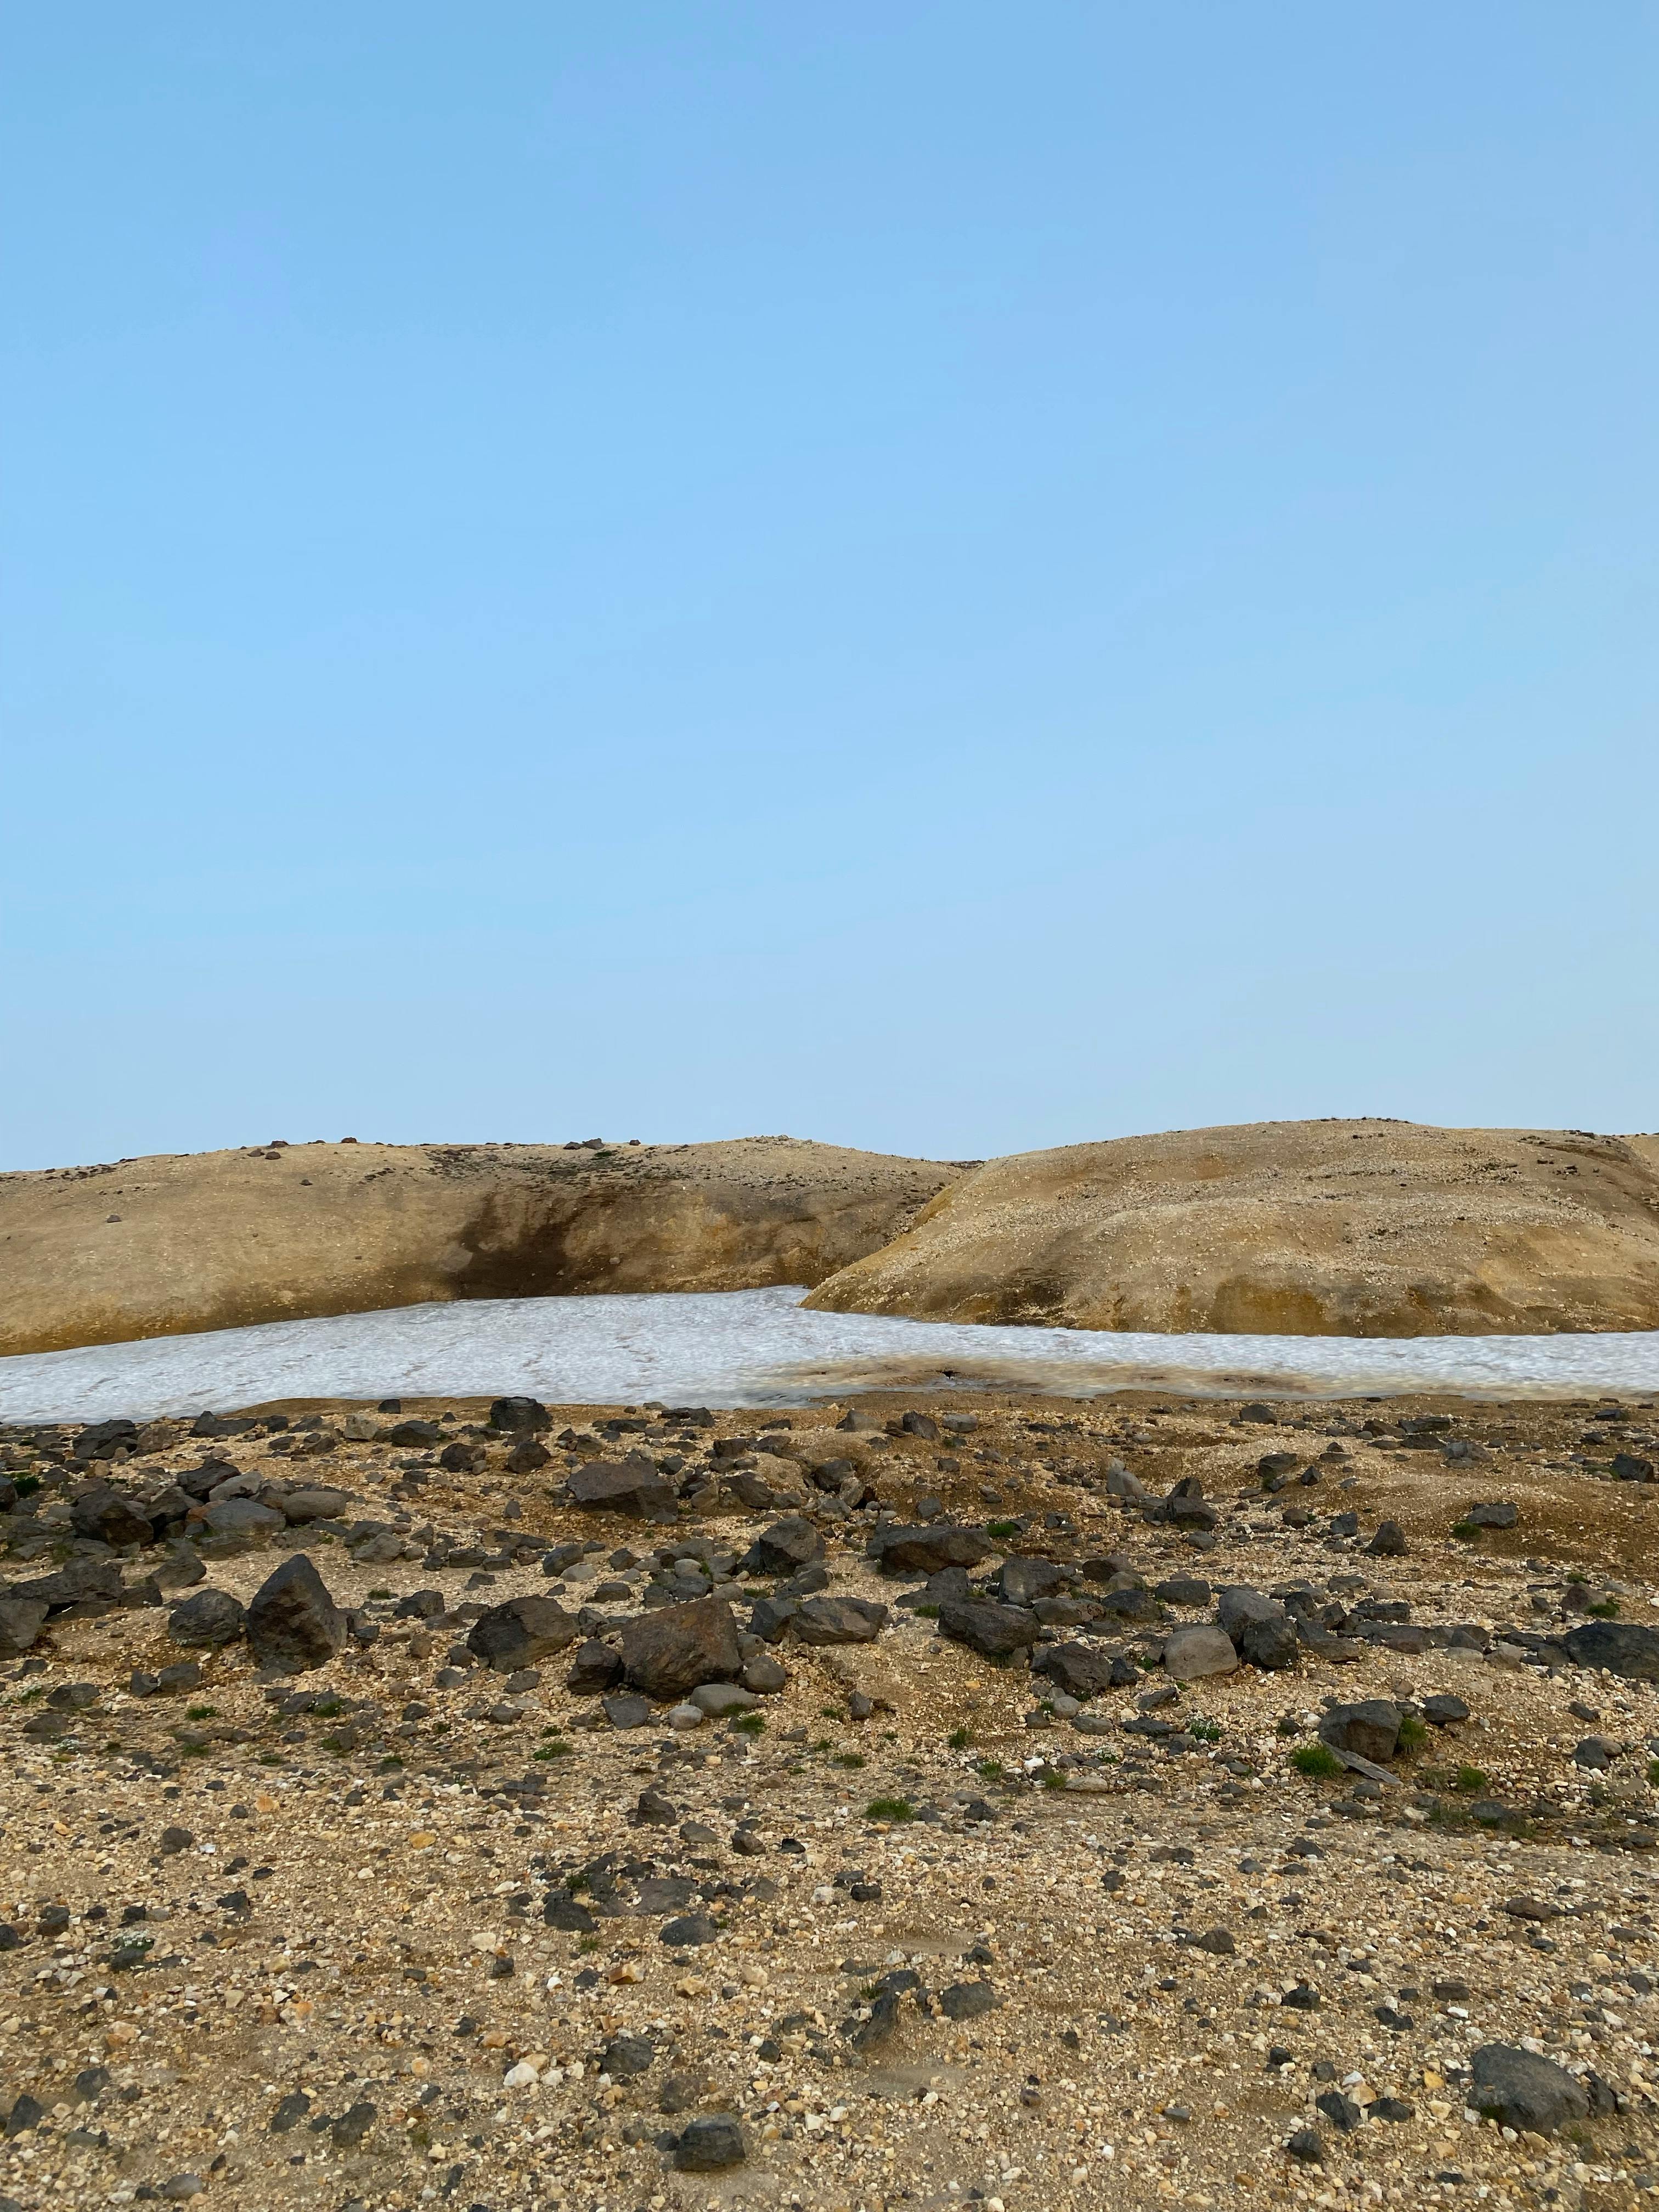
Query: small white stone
point(686, 1716)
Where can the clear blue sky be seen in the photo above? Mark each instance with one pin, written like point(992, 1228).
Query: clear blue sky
point(947, 578)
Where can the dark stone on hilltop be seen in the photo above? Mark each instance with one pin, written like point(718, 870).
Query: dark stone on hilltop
point(1388, 1543)
point(967, 2000)
point(788, 1544)
point(631, 1486)
point(415, 1434)
point(596, 1667)
point(519, 1416)
point(770, 1617)
point(1261, 1631)
point(109, 1518)
point(1520, 2089)
point(1077, 1668)
point(1629, 1466)
point(838, 1621)
point(348, 2131)
point(672, 1649)
point(710, 2146)
point(1618, 1647)
point(926, 1549)
point(995, 1630)
point(22, 1620)
point(463, 1458)
point(528, 1457)
point(1341, 2111)
point(1499, 1514)
point(212, 1616)
point(1218, 1941)
point(289, 2113)
point(1370, 1728)
point(690, 1930)
point(293, 1624)
point(625, 2057)
point(1307, 2147)
point(520, 1632)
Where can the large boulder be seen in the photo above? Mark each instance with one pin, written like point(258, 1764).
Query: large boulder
point(22, 1620)
point(1191, 1654)
point(519, 1416)
point(74, 1583)
point(670, 1650)
point(521, 1632)
point(630, 1485)
point(1023, 1580)
point(838, 1621)
point(241, 1516)
point(1520, 2089)
point(293, 1624)
point(926, 1549)
point(1371, 1728)
point(300, 1507)
point(211, 1618)
point(787, 1544)
point(1261, 1631)
point(1616, 1647)
point(108, 1517)
point(995, 1630)
point(1079, 1669)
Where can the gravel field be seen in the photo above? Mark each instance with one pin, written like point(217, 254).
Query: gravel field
point(893, 1845)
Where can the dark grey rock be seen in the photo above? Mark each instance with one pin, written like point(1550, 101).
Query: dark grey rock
point(967, 2000)
point(1616, 1647)
point(110, 1518)
point(596, 1667)
point(1497, 1514)
point(926, 1550)
point(1371, 1728)
point(211, 1618)
point(631, 1486)
point(625, 2057)
point(1520, 2089)
point(995, 1630)
point(838, 1621)
point(787, 1544)
point(519, 1632)
point(519, 1416)
point(1388, 1543)
point(293, 1623)
point(672, 1649)
point(710, 2146)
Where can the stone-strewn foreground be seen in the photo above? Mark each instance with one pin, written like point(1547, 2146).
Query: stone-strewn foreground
point(973, 1802)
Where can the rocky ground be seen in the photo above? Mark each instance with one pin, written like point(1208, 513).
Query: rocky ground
point(978, 1801)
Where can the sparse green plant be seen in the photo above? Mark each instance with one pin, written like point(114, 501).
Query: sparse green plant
point(1470, 1780)
point(1653, 1772)
point(991, 1769)
point(1466, 1531)
point(202, 1713)
point(849, 1759)
point(587, 1943)
point(1052, 1779)
point(959, 1739)
point(326, 1709)
point(751, 1723)
point(1413, 1734)
point(1001, 1531)
point(383, 1593)
point(831, 1713)
point(26, 1484)
point(896, 1809)
point(926, 1613)
point(391, 1763)
point(890, 1735)
point(1606, 1609)
point(1317, 1761)
point(1204, 1730)
point(822, 1744)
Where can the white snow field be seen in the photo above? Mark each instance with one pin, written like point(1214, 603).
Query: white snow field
point(760, 1348)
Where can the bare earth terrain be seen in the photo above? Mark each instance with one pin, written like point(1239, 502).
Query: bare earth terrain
point(171, 1245)
point(1297, 1228)
point(719, 1842)
point(1288, 1228)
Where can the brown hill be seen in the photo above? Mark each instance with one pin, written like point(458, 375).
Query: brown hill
point(1304, 1228)
point(215, 1240)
